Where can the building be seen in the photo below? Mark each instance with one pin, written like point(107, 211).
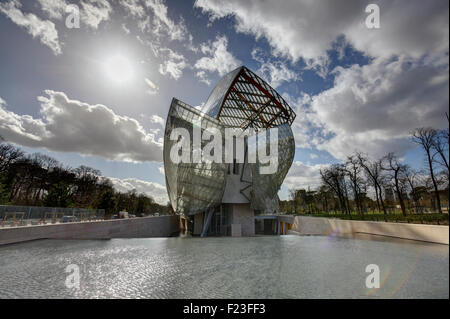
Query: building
point(222, 197)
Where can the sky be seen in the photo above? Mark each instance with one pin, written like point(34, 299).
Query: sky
point(98, 93)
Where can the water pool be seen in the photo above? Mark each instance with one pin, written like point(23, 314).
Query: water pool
point(258, 267)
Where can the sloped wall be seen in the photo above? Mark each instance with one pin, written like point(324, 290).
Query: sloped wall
point(155, 226)
point(305, 225)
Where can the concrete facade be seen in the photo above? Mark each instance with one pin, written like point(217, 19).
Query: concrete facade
point(236, 230)
point(157, 226)
point(243, 214)
point(305, 225)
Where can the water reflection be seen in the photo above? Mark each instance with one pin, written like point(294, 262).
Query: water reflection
point(191, 267)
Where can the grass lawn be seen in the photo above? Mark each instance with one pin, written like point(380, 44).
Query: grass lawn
point(396, 217)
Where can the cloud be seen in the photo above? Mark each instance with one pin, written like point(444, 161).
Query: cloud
point(219, 59)
point(307, 29)
point(373, 108)
point(306, 127)
point(153, 88)
point(156, 191)
point(2, 101)
point(125, 29)
point(303, 176)
point(162, 22)
point(133, 7)
point(72, 126)
point(203, 77)
point(157, 119)
point(92, 13)
point(54, 8)
point(43, 29)
point(174, 64)
point(275, 72)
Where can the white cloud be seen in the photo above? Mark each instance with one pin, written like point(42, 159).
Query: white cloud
point(174, 64)
point(275, 72)
point(373, 108)
point(156, 191)
point(306, 128)
point(133, 7)
point(43, 29)
point(203, 77)
point(2, 101)
point(153, 88)
point(94, 12)
point(161, 170)
point(162, 22)
point(313, 156)
point(219, 59)
point(307, 29)
point(125, 29)
point(157, 119)
point(54, 8)
point(72, 126)
point(301, 175)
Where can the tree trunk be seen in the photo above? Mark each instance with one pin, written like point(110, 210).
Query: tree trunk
point(438, 200)
point(381, 199)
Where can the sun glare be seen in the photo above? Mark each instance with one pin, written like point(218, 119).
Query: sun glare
point(119, 69)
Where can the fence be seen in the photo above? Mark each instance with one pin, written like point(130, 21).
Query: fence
point(34, 215)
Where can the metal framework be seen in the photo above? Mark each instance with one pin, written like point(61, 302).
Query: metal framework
point(242, 99)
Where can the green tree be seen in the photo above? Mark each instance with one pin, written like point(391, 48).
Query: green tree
point(59, 195)
point(107, 202)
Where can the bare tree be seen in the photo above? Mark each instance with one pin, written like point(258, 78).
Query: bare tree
point(334, 178)
point(440, 146)
point(397, 170)
point(373, 172)
point(412, 179)
point(426, 138)
point(353, 170)
point(8, 155)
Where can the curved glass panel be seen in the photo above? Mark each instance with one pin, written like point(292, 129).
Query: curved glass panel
point(192, 187)
point(266, 186)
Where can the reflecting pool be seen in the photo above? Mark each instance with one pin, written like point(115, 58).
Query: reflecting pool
point(258, 267)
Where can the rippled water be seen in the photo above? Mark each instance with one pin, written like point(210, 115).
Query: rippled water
point(258, 267)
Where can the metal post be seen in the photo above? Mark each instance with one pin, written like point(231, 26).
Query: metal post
point(207, 222)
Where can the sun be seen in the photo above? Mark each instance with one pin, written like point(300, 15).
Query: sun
point(119, 69)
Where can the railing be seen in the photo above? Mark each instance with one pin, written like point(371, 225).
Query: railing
point(13, 216)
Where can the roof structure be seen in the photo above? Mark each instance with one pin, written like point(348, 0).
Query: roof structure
point(243, 100)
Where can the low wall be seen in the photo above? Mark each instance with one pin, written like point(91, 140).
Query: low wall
point(155, 226)
point(305, 225)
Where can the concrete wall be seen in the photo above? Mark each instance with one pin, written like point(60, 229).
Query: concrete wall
point(243, 214)
point(304, 225)
point(157, 226)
